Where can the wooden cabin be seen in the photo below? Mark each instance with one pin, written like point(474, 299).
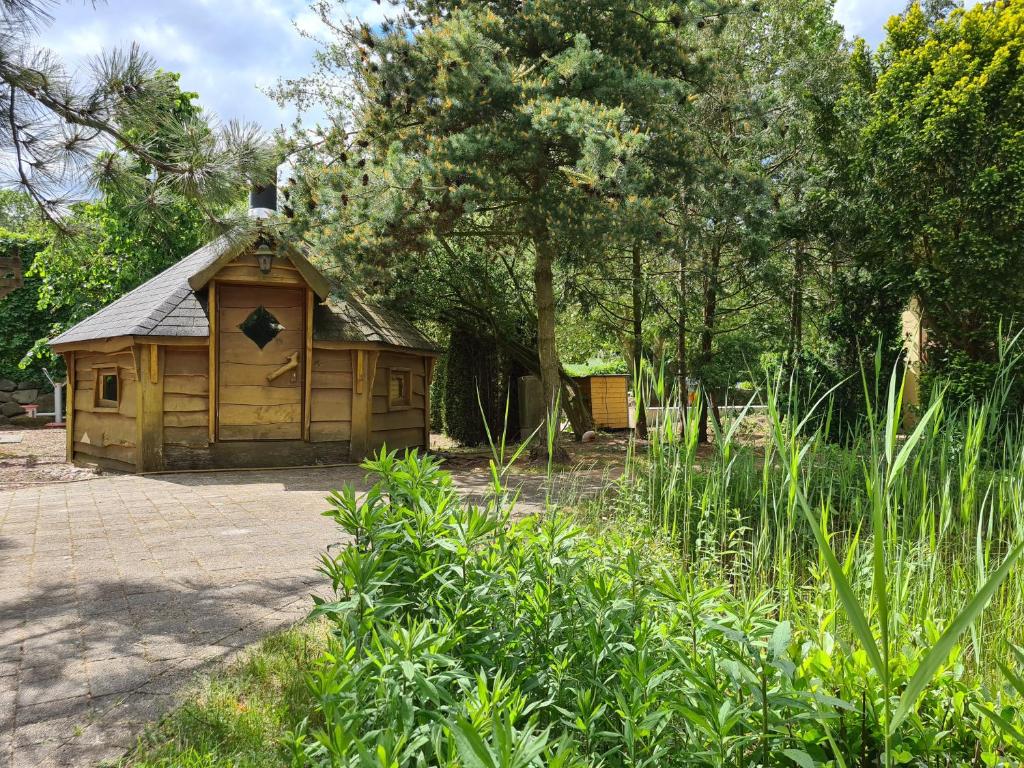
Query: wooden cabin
point(607, 398)
point(243, 354)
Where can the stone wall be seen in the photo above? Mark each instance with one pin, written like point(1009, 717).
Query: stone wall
point(14, 395)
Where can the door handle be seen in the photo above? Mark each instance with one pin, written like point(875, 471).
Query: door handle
point(293, 362)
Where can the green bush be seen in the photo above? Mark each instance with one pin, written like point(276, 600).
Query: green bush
point(596, 366)
point(476, 383)
point(464, 639)
point(438, 384)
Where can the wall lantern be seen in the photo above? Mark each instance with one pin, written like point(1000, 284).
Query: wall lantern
point(264, 254)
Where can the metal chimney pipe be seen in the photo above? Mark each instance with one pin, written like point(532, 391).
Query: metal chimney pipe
point(262, 200)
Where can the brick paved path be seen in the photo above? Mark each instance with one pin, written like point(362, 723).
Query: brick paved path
point(114, 591)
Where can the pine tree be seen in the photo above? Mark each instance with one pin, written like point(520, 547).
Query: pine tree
point(534, 123)
point(56, 125)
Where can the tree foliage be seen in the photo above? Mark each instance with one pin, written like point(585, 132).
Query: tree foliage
point(533, 125)
point(23, 321)
point(947, 168)
point(112, 244)
point(59, 127)
point(117, 247)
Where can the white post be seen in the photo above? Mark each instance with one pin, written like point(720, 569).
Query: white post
point(58, 402)
point(58, 399)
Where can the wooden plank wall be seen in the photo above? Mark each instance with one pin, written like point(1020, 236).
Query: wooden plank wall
point(103, 435)
point(248, 406)
point(186, 397)
point(331, 395)
point(609, 401)
point(246, 269)
point(149, 408)
point(404, 427)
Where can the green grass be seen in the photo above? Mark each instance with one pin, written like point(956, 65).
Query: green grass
point(241, 714)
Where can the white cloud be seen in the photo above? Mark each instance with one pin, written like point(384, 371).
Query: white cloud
point(168, 39)
point(226, 50)
point(80, 42)
point(866, 18)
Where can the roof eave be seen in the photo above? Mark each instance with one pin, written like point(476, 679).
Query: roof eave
point(314, 279)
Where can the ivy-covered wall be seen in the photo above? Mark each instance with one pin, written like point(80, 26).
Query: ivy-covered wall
point(21, 322)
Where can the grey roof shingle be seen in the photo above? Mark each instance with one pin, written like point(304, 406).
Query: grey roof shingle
point(166, 306)
point(159, 307)
point(343, 317)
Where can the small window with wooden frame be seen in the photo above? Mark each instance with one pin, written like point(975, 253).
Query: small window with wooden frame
point(399, 389)
point(107, 389)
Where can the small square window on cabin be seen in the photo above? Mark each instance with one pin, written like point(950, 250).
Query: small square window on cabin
point(400, 389)
point(108, 388)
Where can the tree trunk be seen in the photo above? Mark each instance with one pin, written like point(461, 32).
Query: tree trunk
point(796, 310)
point(580, 419)
point(683, 373)
point(550, 370)
point(707, 333)
point(638, 345)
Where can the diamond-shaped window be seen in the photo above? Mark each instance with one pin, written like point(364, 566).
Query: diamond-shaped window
point(261, 326)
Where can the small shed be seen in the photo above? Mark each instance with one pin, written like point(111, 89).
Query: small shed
point(243, 354)
point(607, 398)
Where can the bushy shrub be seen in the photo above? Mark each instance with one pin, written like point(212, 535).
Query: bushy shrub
point(464, 638)
point(596, 366)
point(476, 385)
point(20, 317)
point(438, 384)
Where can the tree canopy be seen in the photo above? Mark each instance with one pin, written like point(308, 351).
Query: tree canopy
point(944, 163)
point(107, 246)
point(544, 127)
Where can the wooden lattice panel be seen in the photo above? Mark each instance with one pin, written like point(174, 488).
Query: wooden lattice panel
point(10, 274)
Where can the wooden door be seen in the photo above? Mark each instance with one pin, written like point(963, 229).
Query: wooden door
point(260, 352)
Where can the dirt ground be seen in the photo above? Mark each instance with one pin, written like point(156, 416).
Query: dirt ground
point(38, 458)
point(609, 450)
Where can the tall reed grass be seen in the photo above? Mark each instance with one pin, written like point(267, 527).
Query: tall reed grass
point(897, 542)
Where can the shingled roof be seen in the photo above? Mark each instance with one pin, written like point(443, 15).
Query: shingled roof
point(166, 305)
point(343, 317)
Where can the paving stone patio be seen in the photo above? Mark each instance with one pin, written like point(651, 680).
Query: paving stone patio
point(115, 591)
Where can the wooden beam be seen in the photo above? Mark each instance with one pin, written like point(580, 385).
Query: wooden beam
point(232, 276)
point(310, 274)
point(364, 364)
point(212, 310)
point(372, 356)
point(313, 277)
point(149, 409)
point(69, 405)
point(206, 274)
point(428, 366)
point(360, 440)
point(105, 346)
point(173, 341)
point(359, 366)
point(307, 376)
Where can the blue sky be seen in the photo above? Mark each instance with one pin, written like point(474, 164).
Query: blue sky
point(226, 50)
